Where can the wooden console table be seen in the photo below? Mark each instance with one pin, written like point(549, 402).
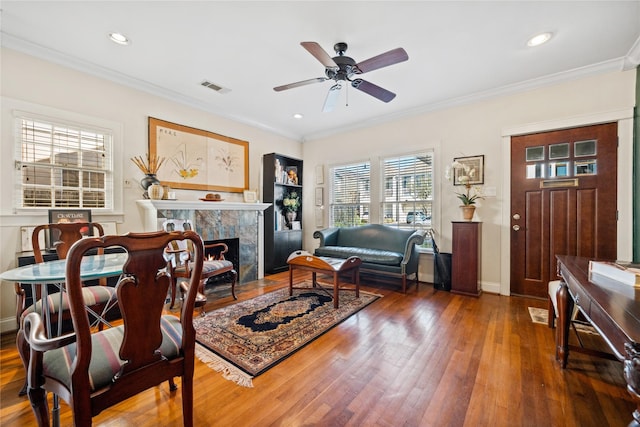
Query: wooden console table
point(612, 308)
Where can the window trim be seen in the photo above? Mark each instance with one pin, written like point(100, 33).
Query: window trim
point(13, 110)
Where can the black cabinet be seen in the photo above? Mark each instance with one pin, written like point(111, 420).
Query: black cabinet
point(282, 187)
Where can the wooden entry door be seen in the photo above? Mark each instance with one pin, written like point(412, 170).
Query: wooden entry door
point(563, 201)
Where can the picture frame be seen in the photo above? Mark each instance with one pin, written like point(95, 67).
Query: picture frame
point(319, 175)
point(57, 216)
point(473, 162)
point(291, 177)
point(250, 196)
point(319, 196)
point(197, 159)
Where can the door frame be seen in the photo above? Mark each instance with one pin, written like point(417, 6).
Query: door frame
point(624, 118)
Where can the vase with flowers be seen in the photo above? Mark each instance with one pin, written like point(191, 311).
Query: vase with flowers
point(150, 166)
point(290, 205)
point(464, 175)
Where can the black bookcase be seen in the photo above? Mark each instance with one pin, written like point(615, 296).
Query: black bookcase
point(282, 187)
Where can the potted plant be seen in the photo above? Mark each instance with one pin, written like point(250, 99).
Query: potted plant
point(290, 205)
point(470, 195)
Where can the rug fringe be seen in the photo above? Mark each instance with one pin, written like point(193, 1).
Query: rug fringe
point(218, 364)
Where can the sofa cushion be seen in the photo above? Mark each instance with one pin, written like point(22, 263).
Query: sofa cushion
point(366, 255)
point(374, 236)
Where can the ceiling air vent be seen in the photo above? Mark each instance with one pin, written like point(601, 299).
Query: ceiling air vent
point(215, 87)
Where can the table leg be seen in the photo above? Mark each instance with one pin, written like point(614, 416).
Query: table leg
point(336, 289)
point(290, 280)
point(565, 308)
point(356, 272)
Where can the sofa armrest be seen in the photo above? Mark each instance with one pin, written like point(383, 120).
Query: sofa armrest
point(328, 236)
point(410, 253)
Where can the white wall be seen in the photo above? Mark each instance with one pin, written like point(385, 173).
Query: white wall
point(466, 130)
point(27, 82)
point(478, 129)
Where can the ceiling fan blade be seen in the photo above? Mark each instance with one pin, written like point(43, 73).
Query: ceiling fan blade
point(383, 60)
point(373, 90)
point(320, 54)
point(298, 84)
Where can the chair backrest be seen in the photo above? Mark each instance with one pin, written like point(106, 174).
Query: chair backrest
point(141, 291)
point(69, 233)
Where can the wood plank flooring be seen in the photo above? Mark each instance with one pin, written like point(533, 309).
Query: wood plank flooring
point(427, 358)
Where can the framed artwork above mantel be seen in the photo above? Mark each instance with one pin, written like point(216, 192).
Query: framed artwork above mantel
point(197, 159)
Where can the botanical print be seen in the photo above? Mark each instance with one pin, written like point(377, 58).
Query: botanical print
point(198, 159)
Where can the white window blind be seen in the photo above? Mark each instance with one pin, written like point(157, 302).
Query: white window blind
point(62, 165)
point(408, 190)
point(350, 194)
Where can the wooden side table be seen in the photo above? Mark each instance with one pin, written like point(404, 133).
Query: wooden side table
point(305, 261)
point(465, 259)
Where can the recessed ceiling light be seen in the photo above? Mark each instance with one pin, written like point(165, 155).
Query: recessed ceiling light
point(539, 39)
point(119, 38)
point(297, 116)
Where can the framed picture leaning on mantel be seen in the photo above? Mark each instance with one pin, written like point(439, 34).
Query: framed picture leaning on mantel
point(198, 159)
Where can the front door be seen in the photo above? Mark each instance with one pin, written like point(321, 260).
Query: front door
point(563, 201)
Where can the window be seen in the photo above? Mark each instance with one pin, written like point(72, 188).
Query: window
point(63, 165)
point(350, 194)
point(408, 197)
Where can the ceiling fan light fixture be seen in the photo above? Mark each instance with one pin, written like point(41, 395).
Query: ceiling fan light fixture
point(539, 39)
point(298, 116)
point(119, 38)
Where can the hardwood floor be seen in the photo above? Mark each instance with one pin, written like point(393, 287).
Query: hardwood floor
point(427, 358)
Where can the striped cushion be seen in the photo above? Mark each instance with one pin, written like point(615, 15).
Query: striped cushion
point(105, 361)
point(92, 295)
point(208, 266)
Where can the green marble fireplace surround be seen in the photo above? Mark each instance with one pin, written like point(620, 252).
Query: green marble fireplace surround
point(217, 221)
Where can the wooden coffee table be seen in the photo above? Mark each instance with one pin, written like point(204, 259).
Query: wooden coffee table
point(301, 260)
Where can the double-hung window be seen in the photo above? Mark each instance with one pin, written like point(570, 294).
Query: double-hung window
point(63, 165)
point(350, 194)
point(407, 198)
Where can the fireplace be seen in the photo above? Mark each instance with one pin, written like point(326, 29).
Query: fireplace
point(220, 221)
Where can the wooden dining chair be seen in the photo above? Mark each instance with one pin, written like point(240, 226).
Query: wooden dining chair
point(98, 298)
point(214, 265)
point(93, 370)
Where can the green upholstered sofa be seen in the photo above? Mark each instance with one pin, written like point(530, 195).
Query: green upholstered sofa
point(383, 249)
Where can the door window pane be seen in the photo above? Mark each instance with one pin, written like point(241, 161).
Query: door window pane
point(535, 171)
point(585, 148)
point(559, 151)
point(535, 153)
point(558, 169)
point(586, 167)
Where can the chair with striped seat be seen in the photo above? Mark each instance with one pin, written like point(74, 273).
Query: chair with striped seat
point(214, 265)
point(93, 370)
point(99, 298)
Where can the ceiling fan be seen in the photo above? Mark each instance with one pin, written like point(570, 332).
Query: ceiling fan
point(342, 68)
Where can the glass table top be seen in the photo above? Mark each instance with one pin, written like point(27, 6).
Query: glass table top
point(92, 267)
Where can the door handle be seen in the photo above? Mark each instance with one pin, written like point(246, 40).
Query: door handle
point(516, 216)
point(516, 227)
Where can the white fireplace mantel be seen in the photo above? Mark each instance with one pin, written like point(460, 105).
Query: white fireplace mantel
point(150, 208)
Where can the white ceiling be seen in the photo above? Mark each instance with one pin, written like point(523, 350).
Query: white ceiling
point(459, 51)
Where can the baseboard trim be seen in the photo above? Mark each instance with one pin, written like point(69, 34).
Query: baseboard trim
point(8, 325)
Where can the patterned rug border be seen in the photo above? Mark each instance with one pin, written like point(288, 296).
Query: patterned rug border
point(234, 372)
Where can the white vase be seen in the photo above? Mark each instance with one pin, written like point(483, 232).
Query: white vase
point(155, 191)
point(291, 216)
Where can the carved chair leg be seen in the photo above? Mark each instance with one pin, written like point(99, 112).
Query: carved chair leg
point(187, 400)
point(234, 278)
point(173, 291)
point(38, 400)
point(172, 385)
point(23, 351)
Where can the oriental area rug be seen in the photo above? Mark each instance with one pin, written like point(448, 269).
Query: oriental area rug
point(245, 339)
